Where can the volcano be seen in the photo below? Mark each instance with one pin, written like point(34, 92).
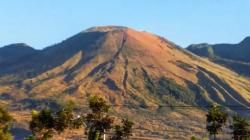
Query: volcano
point(140, 73)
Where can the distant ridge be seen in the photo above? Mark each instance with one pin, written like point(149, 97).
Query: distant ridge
point(233, 56)
point(245, 42)
point(15, 51)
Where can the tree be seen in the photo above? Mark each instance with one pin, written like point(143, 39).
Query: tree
point(98, 121)
point(5, 123)
point(64, 119)
point(123, 131)
point(216, 119)
point(46, 123)
point(241, 128)
point(42, 124)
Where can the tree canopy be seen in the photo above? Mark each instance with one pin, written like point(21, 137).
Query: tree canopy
point(46, 123)
point(98, 121)
point(216, 119)
point(5, 123)
point(241, 128)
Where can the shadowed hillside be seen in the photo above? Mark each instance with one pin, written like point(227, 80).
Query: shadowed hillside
point(233, 56)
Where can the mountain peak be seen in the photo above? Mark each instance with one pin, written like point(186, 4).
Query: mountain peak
point(105, 28)
point(17, 46)
point(15, 51)
point(245, 42)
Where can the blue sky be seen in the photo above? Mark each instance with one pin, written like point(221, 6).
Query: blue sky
point(46, 22)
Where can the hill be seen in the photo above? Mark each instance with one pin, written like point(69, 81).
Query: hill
point(144, 76)
point(233, 56)
point(13, 53)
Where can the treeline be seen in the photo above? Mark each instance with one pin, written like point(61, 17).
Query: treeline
point(47, 123)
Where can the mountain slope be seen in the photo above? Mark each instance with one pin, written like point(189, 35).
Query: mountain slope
point(138, 71)
point(122, 62)
point(233, 56)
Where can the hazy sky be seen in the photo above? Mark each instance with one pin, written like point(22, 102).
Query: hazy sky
point(40, 23)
